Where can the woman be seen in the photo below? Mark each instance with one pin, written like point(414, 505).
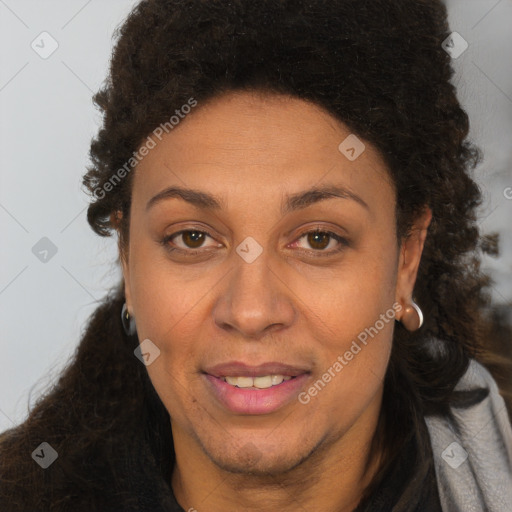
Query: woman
point(297, 323)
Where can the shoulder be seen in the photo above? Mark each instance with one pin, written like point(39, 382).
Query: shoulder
point(472, 448)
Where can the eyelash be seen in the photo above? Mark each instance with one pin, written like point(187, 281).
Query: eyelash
point(315, 252)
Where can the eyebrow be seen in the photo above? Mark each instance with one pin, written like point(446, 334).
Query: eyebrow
point(293, 202)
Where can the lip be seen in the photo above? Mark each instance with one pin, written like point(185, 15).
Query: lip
point(239, 369)
point(251, 401)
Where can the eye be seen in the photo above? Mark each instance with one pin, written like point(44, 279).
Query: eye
point(191, 240)
point(319, 240)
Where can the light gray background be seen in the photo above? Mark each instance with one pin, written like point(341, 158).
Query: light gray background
point(46, 124)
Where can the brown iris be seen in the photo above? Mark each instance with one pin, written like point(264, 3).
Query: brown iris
point(316, 237)
point(193, 239)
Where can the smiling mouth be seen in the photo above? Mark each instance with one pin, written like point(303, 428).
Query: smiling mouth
point(256, 394)
point(245, 388)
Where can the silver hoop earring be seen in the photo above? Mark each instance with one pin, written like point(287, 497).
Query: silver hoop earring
point(418, 310)
point(128, 321)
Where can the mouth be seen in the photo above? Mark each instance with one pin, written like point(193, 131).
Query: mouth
point(255, 390)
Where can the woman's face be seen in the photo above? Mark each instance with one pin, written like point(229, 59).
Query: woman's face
point(230, 274)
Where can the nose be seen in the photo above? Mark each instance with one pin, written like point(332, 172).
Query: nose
point(254, 299)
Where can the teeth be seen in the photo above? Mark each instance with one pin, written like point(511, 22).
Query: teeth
point(241, 382)
point(263, 382)
point(277, 379)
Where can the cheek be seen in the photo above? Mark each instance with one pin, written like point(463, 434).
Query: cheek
point(352, 314)
point(354, 349)
point(170, 312)
point(350, 296)
point(165, 297)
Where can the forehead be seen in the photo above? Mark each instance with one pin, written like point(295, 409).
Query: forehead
point(256, 143)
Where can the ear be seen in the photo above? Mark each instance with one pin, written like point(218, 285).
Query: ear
point(409, 258)
point(115, 219)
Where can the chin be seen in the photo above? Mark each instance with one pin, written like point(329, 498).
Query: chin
point(264, 462)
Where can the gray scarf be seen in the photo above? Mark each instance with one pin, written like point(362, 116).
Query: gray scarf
point(473, 450)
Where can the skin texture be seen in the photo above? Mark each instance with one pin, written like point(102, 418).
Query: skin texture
point(251, 150)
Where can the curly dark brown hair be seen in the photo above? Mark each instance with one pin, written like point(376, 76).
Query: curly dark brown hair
point(379, 67)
